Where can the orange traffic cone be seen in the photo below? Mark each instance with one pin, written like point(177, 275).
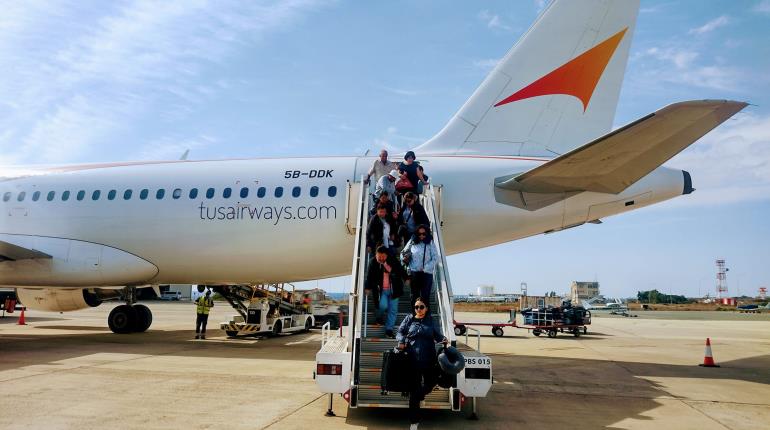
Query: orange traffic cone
point(708, 360)
point(21, 317)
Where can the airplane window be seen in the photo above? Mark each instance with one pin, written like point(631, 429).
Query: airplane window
point(144, 193)
point(65, 196)
point(227, 192)
point(51, 195)
point(127, 194)
point(244, 192)
point(6, 197)
point(313, 191)
point(160, 193)
point(209, 193)
point(261, 192)
point(111, 195)
point(21, 196)
point(279, 191)
point(332, 191)
point(296, 191)
point(36, 196)
point(193, 193)
point(177, 193)
point(95, 195)
point(81, 195)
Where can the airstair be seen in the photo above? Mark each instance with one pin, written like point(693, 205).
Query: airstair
point(350, 362)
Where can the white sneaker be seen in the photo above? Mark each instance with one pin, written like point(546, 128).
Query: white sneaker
point(413, 427)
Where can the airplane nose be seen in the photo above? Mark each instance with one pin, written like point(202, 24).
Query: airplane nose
point(688, 189)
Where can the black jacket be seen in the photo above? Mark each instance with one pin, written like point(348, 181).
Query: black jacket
point(374, 278)
point(374, 232)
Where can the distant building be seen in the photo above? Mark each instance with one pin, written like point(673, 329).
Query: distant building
point(580, 291)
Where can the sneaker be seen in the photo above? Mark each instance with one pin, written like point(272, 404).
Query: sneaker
point(414, 426)
point(389, 334)
point(197, 336)
point(203, 336)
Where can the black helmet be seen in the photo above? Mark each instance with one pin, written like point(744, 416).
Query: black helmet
point(451, 360)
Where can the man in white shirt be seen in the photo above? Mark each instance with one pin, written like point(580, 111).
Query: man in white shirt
point(381, 167)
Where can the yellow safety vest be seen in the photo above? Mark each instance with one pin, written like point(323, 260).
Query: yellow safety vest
point(204, 305)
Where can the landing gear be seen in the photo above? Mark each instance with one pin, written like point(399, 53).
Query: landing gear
point(143, 318)
point(122, 319)
point(131, 317)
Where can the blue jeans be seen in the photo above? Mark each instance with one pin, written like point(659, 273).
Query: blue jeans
point(391, 306)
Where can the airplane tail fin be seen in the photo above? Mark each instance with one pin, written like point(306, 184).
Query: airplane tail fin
point(556, 89)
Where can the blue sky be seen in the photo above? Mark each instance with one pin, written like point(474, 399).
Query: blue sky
point(109, 81)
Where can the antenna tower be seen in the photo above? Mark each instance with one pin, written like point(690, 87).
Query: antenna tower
point(721, 278)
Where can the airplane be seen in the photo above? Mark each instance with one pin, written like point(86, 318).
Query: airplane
point(601, 304)
point(531, 151)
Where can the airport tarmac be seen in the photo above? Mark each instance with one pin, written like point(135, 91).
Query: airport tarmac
point(69, 371)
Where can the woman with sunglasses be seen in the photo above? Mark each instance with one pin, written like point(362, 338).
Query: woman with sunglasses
point(420, 254)
point(418, 335)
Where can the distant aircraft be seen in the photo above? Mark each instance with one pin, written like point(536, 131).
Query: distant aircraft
point(530, 152)
point(600, 304)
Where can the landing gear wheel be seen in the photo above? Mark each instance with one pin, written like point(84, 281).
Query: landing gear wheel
point(497, 331)
point(551, 333)
point(308, 324)
point(537, 332)
point(277, 328)
point(576, 332)
point(460, 330)
point(122, 319)
point(231, 333)
point(143, 318)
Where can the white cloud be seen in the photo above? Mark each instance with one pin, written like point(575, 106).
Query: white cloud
point(492, 20)
point(712, 25)
point(729, 165)
point(687, 71)
point(400, 91)
point(171, 148)
point(486, 64)
point(83, 75)
point(762, 7)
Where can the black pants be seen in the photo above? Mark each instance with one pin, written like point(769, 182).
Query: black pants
point(421, 284)
point(425, 381)
point(200, 323)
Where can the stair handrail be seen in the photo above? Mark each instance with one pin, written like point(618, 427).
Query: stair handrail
point(357, 278)
point(444, 284)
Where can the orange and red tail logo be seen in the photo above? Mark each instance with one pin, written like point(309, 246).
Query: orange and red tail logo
point(578, 77)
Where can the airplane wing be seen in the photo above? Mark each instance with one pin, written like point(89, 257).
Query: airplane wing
point(9, 251)
point(613, 162)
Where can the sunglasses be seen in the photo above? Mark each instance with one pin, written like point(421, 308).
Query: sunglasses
point(419, 307)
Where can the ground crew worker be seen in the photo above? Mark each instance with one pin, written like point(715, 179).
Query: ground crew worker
point(202, 306)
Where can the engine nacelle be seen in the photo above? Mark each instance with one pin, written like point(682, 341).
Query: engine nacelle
point(63, 299)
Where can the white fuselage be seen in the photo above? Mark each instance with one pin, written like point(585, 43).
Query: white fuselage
point(259, 238)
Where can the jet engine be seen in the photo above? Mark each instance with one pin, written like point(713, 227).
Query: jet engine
point(63, 299)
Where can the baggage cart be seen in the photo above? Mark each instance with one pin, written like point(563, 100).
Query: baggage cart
point(556, 320)
point(497, 327)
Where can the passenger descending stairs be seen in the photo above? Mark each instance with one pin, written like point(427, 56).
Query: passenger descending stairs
point(368, 358)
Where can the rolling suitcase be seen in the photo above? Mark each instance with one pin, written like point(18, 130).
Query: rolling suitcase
point(397, 370)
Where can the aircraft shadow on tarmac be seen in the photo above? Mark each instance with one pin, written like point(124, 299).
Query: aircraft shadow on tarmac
point(548, 391)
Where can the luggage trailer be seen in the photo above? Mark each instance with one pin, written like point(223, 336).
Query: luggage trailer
point(546, 323)
point(460, 328)
point(349, 362)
